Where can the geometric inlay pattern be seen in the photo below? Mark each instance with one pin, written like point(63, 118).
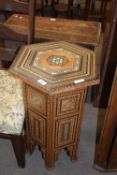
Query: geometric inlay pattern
point(65, 131)
point(57, 60)
point(37, 100)
point(69, 103)
point(37, 125)
point(55, 65)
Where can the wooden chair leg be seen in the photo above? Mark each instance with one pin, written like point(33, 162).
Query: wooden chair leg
point(54, 14)
point(46, 2)
point(2, 43)
point(71, 14)
point(87, 8)
point(42, 11)
point(79, 9)
point(19, 147)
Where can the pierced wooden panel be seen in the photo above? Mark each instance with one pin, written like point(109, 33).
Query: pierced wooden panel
point(69, 103)
point(38, 127)
point(37, 100)
point(65, 131)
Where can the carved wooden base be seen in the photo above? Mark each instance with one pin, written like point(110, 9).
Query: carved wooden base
point(54, 122)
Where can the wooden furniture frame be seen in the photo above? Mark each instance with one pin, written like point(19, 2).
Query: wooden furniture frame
point(12, 6)
point(52, 73)
point(8, 54)
point(18, 141)
point(90, 10)
point(62, 7)
point(108, 55)
point(80, 32)
point(106, 151)
point(106, 157)
point(18, 6)
point(39, 6)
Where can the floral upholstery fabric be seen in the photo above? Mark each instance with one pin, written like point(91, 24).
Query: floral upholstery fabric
point(11, 104)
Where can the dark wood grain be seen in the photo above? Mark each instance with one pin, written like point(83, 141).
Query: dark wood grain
point(83, 32)
point(109, 54)
point(8, 54)
point(106, 153)
point(91, 11)
point(62, 7)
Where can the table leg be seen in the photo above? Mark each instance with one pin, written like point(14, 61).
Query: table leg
point(49, 159)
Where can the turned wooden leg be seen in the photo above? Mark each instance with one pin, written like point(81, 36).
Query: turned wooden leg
point(18, 143)
point(87, 9)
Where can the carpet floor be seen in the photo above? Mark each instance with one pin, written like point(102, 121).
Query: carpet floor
point(63, 166)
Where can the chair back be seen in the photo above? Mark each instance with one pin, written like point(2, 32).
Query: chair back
point(14, 6)
point(8, 34)
point(91, 11)
point(61, 6)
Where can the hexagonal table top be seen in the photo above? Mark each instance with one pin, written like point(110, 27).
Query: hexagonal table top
point(56, 65)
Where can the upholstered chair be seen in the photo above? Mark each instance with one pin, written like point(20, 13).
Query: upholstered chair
point(12, 113)
point(12, 103)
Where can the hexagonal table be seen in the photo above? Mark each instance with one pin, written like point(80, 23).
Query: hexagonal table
point(56, 76)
